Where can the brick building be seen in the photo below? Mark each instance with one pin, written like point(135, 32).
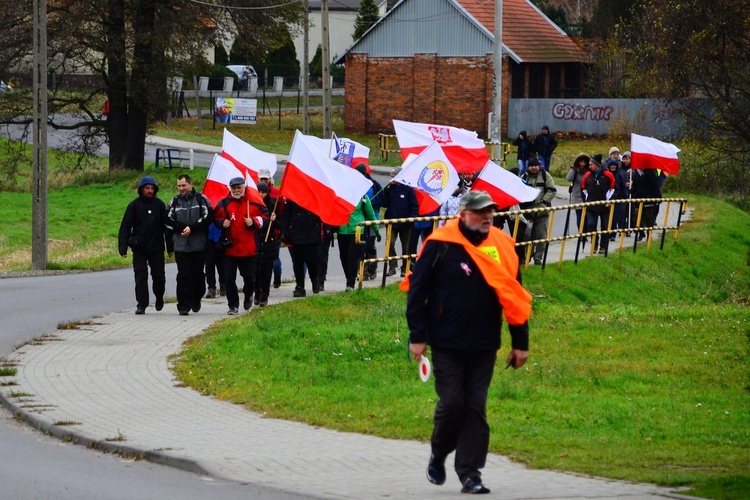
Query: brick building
point(431, 61)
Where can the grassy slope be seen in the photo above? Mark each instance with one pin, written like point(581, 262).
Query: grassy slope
point(638, 368)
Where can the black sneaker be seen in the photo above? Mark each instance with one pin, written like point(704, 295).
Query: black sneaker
point(184, 313)
point(197, 306)
point(232, 311)
point(321, 286)
point(248, 303)
point(140, 310)
point(299, 292)
point(316, 287)
point(474, 486)
point(391, 272)
point(436, 470)
point(211, 293)
point(159, 305)
point(277, 281)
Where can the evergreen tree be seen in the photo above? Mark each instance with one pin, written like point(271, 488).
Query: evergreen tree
point(316, 65)
point(366, 17)
point(555, 14)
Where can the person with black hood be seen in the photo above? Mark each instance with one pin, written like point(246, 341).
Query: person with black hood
point(544, 144)
point(188, 219)
point(525, 149)
point(143, 229)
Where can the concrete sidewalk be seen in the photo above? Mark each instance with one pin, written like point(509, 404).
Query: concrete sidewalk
point(108, 385)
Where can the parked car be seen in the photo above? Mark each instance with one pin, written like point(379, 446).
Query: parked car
point(243, 72)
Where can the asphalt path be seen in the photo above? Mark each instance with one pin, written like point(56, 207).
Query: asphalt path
point(34, 465)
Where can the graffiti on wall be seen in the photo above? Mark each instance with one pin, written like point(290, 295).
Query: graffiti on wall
point(574, 111)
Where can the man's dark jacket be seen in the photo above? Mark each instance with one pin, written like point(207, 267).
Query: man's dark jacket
point(145, 222)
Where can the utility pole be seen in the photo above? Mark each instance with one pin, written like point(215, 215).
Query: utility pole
point(497, 94)
point(39, 177)
point(326, 51)
point(306, 73)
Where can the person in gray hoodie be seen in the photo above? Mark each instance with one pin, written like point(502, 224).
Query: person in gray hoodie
point(188, 219)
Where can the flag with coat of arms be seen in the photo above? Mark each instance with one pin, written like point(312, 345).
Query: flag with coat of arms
point(432, 176)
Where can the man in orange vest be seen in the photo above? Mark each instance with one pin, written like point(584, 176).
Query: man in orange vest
point(465, 278)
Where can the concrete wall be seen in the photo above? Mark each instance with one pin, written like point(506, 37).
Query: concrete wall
point(652, 117)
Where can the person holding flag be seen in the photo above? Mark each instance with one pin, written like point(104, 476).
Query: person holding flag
point(240, 219)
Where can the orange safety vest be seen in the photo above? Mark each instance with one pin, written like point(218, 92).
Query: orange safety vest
point(497, 261)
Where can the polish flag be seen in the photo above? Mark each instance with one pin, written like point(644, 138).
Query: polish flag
point(505, 188)
point(321, 185)
point(221, 172)
point(351, 153)
point(650, 153)
point(465, 150)
point(245, 157)
point(432, 176)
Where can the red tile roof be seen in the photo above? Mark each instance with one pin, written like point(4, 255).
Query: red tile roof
point(526, 31)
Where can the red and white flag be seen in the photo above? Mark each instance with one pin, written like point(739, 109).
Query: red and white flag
point(505, 188)
point(351, 153)
point(432, 176)
point(650, 153)
point(217, 182)
point(465, 150)
point(321, 185)
point(245, 157)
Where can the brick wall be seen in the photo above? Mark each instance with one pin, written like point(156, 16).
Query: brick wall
point(428, 89)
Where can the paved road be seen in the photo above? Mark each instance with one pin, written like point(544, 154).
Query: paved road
point(35, 465)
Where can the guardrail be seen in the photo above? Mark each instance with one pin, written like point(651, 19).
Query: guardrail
point(579, 233)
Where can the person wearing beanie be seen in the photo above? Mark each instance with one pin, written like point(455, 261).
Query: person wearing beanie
point(523, 153)
point(575, 177)
point(614, 154)
point(544, 145)
point(143, 229)
point(598, 185)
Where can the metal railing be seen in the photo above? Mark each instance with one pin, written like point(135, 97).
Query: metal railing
point(580, 233)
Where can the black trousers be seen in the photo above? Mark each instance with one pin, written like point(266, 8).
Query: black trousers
point(599, 218)
point(246, 267)
point(141, 263)
point(323, 251)
point(403, 234)
point(462, 380)
point(191, 282)
point(350, 254)
point(305, 256)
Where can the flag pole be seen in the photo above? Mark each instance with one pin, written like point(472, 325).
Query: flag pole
point(270, 222)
